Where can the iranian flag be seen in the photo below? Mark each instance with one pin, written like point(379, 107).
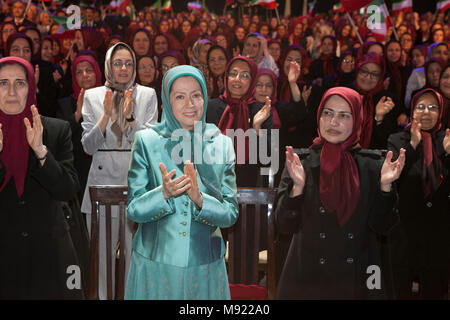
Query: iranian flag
point(268, 4)
point(311, 6)
point(401, 6)
point(156, 4)
point(381, 21)
point(338, 7)
point(167, 5)
point(194, 6)
point(443, 5)
point(121, 5)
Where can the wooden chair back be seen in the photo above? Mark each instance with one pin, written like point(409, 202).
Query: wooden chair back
point(257, 197)
point(107, 196)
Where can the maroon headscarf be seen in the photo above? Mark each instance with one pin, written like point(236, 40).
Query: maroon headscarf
point(98, 74)
point(15, 144)
point(328, 67)
point(149, 36)
point(2, 26)
point(273, 98)
point(364, 49)
point(15, 36)
point(432, 167)
point(236, 114)
point(368, 107)
point(339, 177)
point(394, 67)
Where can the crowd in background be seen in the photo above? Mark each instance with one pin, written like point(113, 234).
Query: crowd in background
point(296, 59)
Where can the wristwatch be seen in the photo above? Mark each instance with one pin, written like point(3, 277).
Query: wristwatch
point(131, 119)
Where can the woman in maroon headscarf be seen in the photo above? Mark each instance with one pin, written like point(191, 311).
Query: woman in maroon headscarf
point(327, 63)
point(335, 198)
point(380, 108)
point(7, 28)
point(293, 89)
point(140, 41)
point(237, 109)
point(217, 59)
point(86, 74)
point(420, 244)
point(36, 176)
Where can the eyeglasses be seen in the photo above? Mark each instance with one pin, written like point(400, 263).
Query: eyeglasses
point(120, 64)
point(365, 74)
point(431, 108)
point(349, 61)
point(329, 114)
point(243, 75)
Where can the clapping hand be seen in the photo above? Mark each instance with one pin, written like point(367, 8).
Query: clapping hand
point(416, 135)
point(390, 171)
point(172, 188)
point(107, 103)
point(446, 142)
point(296, 172)
point(128, 105)
point(79, 104)
point(262, 115)
point(36, 74)
point(294, 72)
point(384, 106)
point(194, 191)
point(34, 133)
point(306, 92)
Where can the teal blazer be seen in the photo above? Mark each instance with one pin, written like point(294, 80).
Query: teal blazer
point(174, 232)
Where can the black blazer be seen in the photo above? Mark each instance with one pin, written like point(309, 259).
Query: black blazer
point(35, 244)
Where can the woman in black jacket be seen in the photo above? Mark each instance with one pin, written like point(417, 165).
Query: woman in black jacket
point(335, 198)
point(36, 176)
point(85, 75)
point(380, 107)
point(420, 244)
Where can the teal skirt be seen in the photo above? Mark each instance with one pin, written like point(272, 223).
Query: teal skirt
point(150, 280)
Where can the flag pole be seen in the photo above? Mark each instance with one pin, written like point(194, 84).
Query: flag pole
point(278, 15)
point(354, 27)
point(393, 25)
point(26, 9)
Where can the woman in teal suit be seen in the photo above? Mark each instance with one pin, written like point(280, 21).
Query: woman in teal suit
point(182, 190)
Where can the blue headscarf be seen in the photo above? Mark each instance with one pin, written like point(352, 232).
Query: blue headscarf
point(203, 137)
